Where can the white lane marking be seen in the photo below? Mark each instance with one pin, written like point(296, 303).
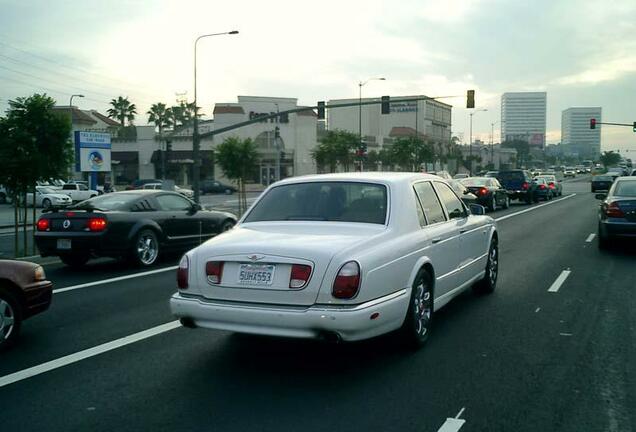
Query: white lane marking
point(590, 238)
point(508, 216)
point(559, 281)
point(537, 310)
point(565, 334)
point(90, 352)
point(453, 424)
point(111, 280)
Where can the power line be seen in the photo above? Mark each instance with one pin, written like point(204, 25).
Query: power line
point(61, 92)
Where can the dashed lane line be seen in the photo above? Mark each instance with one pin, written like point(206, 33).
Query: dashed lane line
point(115, 279)
point(508, 216)
point(559, 281)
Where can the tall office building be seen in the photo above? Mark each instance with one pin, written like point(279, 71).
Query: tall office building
point(576, 136)
point(523, 117)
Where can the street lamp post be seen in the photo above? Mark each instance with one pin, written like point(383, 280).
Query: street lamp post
point(470, 142)
point(70, 103)
point(360, 85)
point(195, 124)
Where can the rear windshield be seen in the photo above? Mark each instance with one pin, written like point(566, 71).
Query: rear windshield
point(112, 201)
point(511, 175)
point(323, 201)
point(603, 178)
point(477, 182)
point(625, 188)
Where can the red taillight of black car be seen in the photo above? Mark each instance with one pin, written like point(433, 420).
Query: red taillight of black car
point(551, 186)
point(43, 225)
point(97, 224)
point(347, 281)
point(613, 210)
point(482, 191)
point(525, 186)
point(183, 272)
point(542, 186)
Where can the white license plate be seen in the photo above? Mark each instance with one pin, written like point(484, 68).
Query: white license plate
point(256, 274)
point(63, 243)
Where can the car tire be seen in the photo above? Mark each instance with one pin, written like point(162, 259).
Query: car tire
point(603, 240)
point(488, 284)
point(10, 319)
point(492, 205)
point(528, 198)
point(535, 198)
point(506, 202)
point(146, 248)
point(75, 260)
point(46, 203)
point(419, 315)
point(227, 225)
point(228, 191)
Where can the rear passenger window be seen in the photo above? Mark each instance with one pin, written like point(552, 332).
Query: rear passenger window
point(430, 203)
point(453, 205)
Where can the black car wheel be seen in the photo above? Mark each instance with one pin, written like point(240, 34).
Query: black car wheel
point(535, 197)
point(10, 319)
point(506, 202)
point(146, 248)
point(419, 316)
point(603, 239)
point(46, 203)
point(492, 205)
point(489, 282)
point(228, 191)
point(75, 260)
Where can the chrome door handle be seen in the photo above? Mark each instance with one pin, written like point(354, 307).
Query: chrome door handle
point(436, 240)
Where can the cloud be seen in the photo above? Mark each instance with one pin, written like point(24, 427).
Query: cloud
point(605, 71)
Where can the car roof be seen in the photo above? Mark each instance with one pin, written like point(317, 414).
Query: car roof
point(370, 177)
point(142, 191)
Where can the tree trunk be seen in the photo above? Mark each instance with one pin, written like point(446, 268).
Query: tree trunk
point(25, 223)
point(15, 225)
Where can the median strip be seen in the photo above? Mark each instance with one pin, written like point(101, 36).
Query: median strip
point(87, 353)
point(115, 279)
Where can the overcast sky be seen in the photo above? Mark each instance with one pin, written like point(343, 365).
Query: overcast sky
point(583, 53)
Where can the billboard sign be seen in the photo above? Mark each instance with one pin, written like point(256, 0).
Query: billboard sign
point(92, 152)
point(401, 107)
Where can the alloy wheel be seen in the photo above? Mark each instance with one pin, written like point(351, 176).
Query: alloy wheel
point(422, 308)
point(147, 249)
point(7, 320)
point(493, 264)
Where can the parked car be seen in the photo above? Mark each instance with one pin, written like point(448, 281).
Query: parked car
point(460, 176)
point(4, 195)
point(518, 183)
point(78, 191)
point(138, 224)
point(617, 213)
point(602, 182)
point(47, 198)
point(331, 256)
point(213, 186)
point(553, 184)
point(139, 183)
point(488, 191)
point(492, 174)
point(463, 193)
point(188, 193)
point(569, 172)
point(541, 189)
point(443, 174)
point(24, 292)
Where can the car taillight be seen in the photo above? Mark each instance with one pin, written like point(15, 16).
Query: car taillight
point(525, 186)
point(97, 224)
point(182, 272)
point(347, 281)
point(214, 271)
point(551, 185)
point(43, 225)
point(299, 275)
point(541, 186)
point(482, 191)
point(613, 210)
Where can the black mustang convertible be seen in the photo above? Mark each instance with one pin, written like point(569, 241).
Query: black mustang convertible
point(136, 224)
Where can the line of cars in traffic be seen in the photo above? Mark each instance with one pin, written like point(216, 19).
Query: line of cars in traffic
point(617, 211)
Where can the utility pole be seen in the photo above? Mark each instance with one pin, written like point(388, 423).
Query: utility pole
point(360, 142)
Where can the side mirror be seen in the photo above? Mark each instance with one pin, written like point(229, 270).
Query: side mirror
point(601, 196)
point(477, 210)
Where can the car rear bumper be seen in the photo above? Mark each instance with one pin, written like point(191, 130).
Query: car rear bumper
point(348, 323)
point(81, 243)
point(617, 228)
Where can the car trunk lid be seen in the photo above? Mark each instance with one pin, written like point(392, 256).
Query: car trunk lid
point(258, 259)
point(72, 220)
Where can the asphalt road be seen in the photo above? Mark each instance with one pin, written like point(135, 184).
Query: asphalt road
point(521, 359)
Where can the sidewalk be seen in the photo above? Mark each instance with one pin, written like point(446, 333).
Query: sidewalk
point(7, 216)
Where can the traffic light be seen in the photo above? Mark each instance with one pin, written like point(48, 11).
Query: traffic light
point(634, 126)
point(168, 145)
point(321, 110)
point(276, 132)
point(470, 99)
point(593, 123)
point(386, 108)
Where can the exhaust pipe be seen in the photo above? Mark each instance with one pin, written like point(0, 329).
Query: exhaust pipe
point(187, 322)
point(331, 337)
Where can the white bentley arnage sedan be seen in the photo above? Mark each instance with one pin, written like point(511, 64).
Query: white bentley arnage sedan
point(342, 257)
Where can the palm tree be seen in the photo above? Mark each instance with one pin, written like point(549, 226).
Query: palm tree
point(122, 110)
point(174, 115)
point(158, 114)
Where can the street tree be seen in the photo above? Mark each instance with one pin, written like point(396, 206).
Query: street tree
point(522, 147)
point(337, 147)
point(411, 152)
point(34, 145)
point(238, 158)
point(122, 110)
point(158, 114)
point(609, 158)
